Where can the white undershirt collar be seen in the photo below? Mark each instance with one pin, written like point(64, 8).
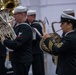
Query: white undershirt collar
point(69, 32)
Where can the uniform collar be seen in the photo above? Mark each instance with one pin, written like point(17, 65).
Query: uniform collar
point(69, 32)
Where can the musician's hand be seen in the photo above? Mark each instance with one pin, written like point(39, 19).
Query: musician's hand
point(2, 38)
point(45, 35)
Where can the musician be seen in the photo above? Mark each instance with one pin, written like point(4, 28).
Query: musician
point(21, 56)
point(69, 12)
point(66, 49)
point(38, 55)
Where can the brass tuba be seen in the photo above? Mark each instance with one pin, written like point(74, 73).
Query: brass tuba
point(54, 40)
point(8, 4)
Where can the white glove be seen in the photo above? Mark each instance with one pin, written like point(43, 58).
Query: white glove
point(2, 38)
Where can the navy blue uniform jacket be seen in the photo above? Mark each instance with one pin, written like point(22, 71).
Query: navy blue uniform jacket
point(66, 54)
point(22, 45)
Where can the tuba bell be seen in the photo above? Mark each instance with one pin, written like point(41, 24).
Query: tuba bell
point(8, 4)
point(55, 38)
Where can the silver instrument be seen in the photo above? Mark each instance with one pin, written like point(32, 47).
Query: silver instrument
point(6, 7)
point(6, 29)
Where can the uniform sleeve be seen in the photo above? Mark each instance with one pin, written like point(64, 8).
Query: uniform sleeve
point(23, 36)
point(60, 48)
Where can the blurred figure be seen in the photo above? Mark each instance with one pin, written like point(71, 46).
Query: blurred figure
point(2, 59)
point(2, 49)
point(38, 55)
point(66, 48)
point(21, 56)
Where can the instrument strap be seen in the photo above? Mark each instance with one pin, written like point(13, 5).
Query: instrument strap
point(37, 31)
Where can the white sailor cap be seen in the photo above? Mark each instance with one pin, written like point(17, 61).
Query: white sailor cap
point(20, 9)
point(68, 18)
point(69, 12)
point(31, 12)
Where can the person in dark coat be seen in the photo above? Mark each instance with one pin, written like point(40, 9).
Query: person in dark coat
point(2, 59)
point(66, 48)
point(38, 55)
point(21, 56)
